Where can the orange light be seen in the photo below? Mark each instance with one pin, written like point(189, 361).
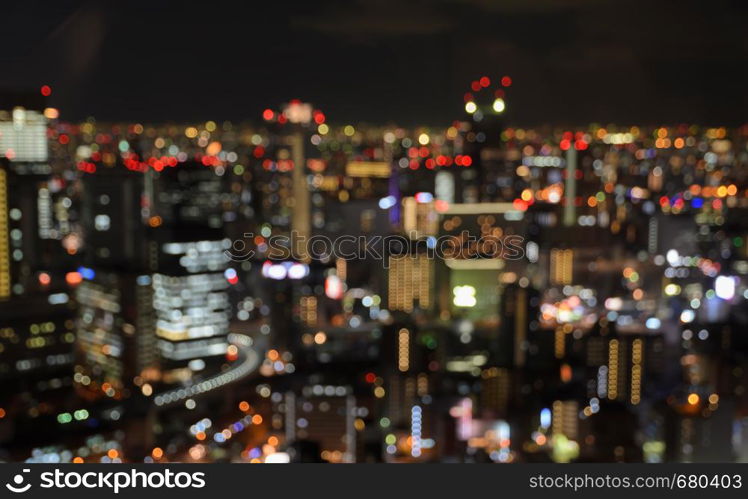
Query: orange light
point(112, 453)
point(78, 460)
point(244, 406)
point(2, 413)
point(200, 435)
point(693, 399)
point(273, 441)
point(566, 373)
point(157, 453)
point(44, 279)
point(256, 419)
point(273, 354)
point(73, 278)
point(155, 221)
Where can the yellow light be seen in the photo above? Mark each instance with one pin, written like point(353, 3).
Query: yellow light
point(499, 105)
point(423, 139)
point(349, 130)
point(471, 107)
point(323, 129)
point(693, 399)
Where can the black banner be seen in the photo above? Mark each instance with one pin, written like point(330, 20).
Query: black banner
point(386, 481)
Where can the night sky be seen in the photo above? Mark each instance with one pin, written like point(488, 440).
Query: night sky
point(382, 61)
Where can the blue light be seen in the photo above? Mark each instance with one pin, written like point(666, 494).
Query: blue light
point(697, 202)
point(387, 202)
point(653, 323)
point(545, 418)
point(424, 197)
point(86, 273)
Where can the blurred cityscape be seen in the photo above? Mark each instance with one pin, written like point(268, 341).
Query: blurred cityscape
point(149, 313)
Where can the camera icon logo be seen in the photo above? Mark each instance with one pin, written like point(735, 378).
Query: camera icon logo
point(17, 485)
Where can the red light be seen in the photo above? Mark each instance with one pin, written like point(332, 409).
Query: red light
point(485, 81)
point(565, 144)
point(371, 377)
point(580, 145)
point(319, 117)
point(268, 114)
point(475, 86)
point(46, 90)
point(467, 161)
point(468, 97)
point(519, 205)
point(506, 81)
point(64, 139)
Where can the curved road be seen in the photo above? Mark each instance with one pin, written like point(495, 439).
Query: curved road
point(248, 362)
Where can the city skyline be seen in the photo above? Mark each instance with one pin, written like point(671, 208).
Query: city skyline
point(374, 232)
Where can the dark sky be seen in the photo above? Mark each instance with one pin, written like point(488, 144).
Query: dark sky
point(379, 61)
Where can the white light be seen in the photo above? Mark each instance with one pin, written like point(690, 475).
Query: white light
point(499, 105)
point(724, 286)
point(470, 107)
point(464, 296)
point(687, 316)
point(278, 458)
point(614, 304)
point(102, 222)
point(274, 270)
point(298, 271)
point(673, 258)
